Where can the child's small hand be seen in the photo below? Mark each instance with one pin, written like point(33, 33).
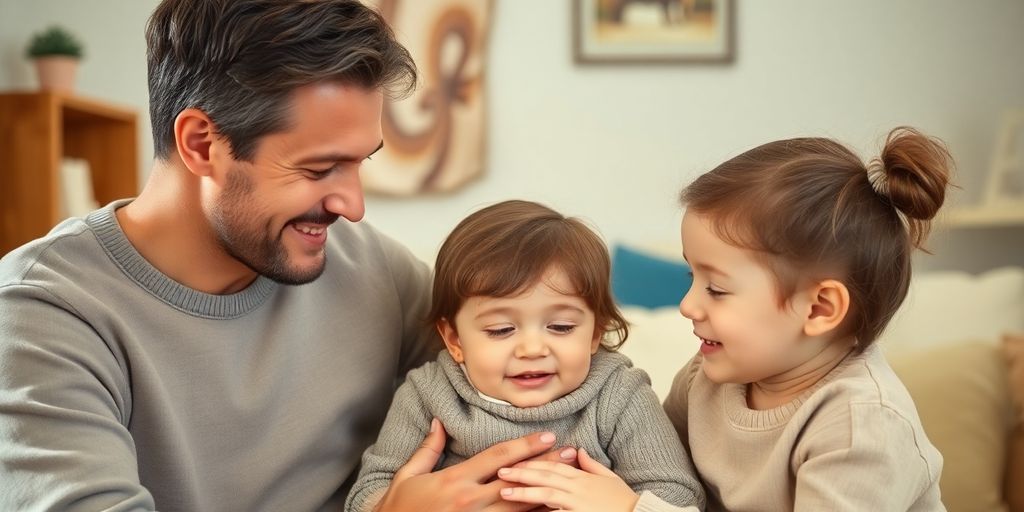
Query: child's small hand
point(562, 487)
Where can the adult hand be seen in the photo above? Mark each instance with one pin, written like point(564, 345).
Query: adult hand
point(470, 485)
point(561, 487)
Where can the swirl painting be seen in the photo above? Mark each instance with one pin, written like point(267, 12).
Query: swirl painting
point(434, 140)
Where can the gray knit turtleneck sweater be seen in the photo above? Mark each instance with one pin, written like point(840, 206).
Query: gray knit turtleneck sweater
point(614, 415)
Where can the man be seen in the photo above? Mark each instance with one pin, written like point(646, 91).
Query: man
point(221, 342)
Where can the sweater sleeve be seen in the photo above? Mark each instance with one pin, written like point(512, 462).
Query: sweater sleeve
point(406, 425)
point(64, 407)
point(875, 463)
point(648, 502)
point(644, 448)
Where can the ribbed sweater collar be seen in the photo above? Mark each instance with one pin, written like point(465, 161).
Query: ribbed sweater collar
point(602, 366)
point(104, 224)
point(740, 414)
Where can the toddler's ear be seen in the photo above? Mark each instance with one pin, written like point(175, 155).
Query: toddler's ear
point(451, 339)
point(596, 342)
point(829, 304)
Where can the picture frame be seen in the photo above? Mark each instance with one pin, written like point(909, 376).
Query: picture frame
point(653, 31)
point(435, 139)
point(1005, 182)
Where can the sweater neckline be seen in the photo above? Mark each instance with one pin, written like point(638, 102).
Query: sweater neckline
point(104, 224)
point(740, 414)
point(603, 365)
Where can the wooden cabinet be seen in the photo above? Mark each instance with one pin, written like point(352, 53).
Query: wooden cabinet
point(36, 131)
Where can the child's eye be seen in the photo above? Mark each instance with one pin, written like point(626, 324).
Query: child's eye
point(715, 293)
point(501, 332)
point(562, 328)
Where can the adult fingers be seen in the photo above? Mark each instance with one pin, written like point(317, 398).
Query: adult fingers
point(563, 470)
point(565, 455)
point(425, 457)
point(541, 474)
point(483, 466)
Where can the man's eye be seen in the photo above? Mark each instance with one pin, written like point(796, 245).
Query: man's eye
point(319, 174)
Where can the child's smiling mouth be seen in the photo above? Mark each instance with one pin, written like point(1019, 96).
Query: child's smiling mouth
point(708, 346)
point(531, 379)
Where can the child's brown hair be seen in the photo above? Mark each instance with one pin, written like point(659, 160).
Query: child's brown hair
point(503, 249)
point(811, 209)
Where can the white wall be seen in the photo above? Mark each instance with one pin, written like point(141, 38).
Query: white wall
point(614, 144)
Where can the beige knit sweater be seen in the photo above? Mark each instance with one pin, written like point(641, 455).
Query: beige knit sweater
point(853, 442)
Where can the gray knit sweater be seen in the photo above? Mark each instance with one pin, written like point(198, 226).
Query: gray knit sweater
point(614, 415)
point(121, 389)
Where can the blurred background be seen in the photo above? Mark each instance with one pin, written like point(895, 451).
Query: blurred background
point(615, 143)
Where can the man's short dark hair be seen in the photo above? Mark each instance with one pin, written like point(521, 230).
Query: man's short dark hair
point(239, 60)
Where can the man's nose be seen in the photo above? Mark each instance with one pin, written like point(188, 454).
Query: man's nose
point(345, 197)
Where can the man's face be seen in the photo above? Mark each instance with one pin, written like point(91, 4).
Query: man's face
point(272, 214)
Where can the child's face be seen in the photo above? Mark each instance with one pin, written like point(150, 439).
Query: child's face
point(529, 349)
point(735, 311)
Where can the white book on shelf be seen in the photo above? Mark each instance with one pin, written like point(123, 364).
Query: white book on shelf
point(76, 196)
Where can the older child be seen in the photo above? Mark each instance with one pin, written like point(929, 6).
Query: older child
point(521, 297)
point(800, 256)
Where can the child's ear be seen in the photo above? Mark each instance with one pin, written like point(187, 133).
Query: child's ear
point(596, 342)
point(451, 339)
point(829, 304)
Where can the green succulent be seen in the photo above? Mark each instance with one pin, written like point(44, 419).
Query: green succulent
point(54, 41)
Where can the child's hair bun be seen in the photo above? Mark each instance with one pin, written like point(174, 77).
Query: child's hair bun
point(912, 174)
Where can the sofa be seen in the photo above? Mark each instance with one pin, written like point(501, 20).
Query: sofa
point(957, 345)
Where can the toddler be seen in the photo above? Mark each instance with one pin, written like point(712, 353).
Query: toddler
point(522, 301)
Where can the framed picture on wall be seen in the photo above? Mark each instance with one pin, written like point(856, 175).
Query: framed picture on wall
point(435, 140)
point(653, 31)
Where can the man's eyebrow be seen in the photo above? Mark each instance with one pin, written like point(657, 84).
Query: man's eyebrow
point(337, 157)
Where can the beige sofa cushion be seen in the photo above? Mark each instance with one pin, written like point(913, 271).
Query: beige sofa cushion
point(962, 397)
point(1013, 348)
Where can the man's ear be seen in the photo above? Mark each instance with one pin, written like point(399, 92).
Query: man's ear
point(451, 339)
point(829, 304)
point(197, 142)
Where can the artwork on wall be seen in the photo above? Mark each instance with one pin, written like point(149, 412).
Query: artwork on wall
point(434, 140)
point(653, 31)
point(1006, 177)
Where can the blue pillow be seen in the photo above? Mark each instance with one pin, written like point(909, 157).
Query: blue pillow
point(640, 279)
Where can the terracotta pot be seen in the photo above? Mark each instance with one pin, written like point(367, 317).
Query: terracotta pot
point(56, 73)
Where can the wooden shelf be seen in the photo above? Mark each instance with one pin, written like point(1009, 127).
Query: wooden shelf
point(37, 130)
point(1002, 215)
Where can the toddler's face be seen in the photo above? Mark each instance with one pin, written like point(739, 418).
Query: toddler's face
point(735, 311)
point(529, 349)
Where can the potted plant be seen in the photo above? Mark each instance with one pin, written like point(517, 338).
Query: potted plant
point(55, 53)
